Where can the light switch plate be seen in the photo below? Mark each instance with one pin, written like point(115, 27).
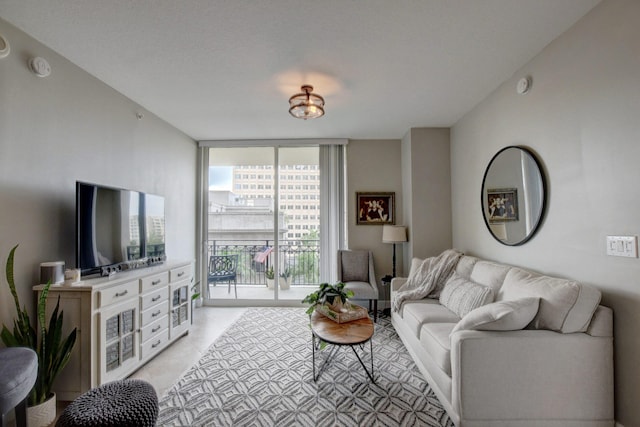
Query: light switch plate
point(624, 246)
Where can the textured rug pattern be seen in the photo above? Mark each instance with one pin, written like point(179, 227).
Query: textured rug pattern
point(259, 373)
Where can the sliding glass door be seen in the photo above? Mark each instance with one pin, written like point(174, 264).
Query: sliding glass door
point(262, 224)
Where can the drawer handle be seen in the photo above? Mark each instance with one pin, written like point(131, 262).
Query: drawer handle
point(154, 299)
point(181, 274)
point(121, 294)
point(156, 282)
point(156, 313)
point(156, 329)
point(156, 344)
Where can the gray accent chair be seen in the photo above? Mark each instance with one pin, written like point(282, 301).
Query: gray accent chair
point(18, 372)
point(355, 270)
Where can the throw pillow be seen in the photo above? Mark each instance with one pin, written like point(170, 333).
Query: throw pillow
point(511, 315)
point(355, 266)
point(566, 306)
point(461, 296)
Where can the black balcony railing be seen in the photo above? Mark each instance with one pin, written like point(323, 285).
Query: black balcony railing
point(299, 258)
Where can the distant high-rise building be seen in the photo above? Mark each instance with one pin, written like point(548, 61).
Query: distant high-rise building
point(299, 193)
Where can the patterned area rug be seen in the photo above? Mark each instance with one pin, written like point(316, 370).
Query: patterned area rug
point(259, 373)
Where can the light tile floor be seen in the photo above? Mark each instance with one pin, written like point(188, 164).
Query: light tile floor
point(167, 367)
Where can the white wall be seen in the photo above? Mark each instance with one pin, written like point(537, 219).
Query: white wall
point(374, 165)
point(67, 127)
point(582, 118)
point(426, 186)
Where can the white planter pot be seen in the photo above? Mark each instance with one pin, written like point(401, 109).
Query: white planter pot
point(285, 283)
point(43, 414)
point(270, 283)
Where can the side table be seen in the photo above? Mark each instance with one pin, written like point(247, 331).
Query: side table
point(386, 282)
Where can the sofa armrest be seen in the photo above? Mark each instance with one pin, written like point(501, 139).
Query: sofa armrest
point(397, 282)
point(531, 374)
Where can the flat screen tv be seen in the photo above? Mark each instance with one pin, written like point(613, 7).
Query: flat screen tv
point(117, 229)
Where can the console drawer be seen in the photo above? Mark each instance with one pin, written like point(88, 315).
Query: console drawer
point(153, 282)
point(154, 297)
point(180, 273)
point(154, 313)
point(155, 344)
point(153, 329)
point(117, 294)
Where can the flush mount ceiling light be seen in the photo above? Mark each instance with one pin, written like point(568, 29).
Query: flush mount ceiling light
point(306, 105)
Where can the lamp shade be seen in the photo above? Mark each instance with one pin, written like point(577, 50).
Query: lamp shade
point(394, 233)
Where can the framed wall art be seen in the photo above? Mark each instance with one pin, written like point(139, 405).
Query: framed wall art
point(502, 204)
point(375, 208)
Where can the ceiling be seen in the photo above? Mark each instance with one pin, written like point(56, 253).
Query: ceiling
point(225, 69)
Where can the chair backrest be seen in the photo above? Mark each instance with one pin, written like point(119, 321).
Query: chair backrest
point(223, 265)
point(354, 265)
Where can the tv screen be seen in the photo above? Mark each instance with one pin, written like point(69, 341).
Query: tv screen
point(117, 228)
point(154, 225)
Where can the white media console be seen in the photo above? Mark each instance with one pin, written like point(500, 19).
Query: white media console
point(123, 322)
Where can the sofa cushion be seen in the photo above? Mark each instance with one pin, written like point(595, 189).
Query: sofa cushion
point(417, 275)
point(430, 276)
point(490, 274)
point(465, 266)
point(415, 265)
point(434, 338)
point(565, 306)
point(416, 314)
point(355, 266)
point(500, 316)
point(419, 301)
point(461, 295)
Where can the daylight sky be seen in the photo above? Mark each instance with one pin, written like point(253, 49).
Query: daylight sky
point(220, 178)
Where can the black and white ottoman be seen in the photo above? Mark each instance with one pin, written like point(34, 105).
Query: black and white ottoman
point(119, 403)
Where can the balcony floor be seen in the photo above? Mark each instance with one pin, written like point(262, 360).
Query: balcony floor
point(260, 292)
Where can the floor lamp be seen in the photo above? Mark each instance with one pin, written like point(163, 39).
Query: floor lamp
point(394, 234)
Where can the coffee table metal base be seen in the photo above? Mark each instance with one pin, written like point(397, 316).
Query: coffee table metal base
point(334, 347)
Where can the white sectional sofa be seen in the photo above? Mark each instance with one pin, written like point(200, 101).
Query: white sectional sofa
point(553, 370)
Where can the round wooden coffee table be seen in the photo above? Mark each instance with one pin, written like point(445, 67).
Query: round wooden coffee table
point(353, 334)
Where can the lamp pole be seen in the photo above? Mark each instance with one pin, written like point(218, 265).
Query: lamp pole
point(394, 260)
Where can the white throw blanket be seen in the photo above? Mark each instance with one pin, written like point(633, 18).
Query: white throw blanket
point(428, 279)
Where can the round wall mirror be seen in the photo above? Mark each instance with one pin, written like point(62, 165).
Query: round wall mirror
point(513, 195)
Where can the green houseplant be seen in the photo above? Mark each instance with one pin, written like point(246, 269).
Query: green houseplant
point(195, 292)
point(53, 351)
point(327, 294)
point(195, 299)
point(270, 276)
point(285, 279)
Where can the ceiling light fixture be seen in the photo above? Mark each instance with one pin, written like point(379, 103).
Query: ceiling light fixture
point(306, 105)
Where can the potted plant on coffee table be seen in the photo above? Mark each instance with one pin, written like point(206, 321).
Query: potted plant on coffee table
point(53, 351)
point(332, 296)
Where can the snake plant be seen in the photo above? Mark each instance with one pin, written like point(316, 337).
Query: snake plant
point(53, 352)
